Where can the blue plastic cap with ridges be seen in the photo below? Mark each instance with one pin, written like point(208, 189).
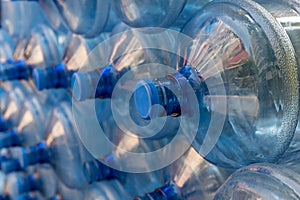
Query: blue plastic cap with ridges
point(145, 96)
point(81, 88)
point(9, 139)
point(33, 155)
point(10, 165)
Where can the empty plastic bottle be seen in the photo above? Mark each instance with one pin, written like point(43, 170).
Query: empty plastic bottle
point(87, 18)
point(33, 119)
point(261, 181)
point(43, 180)
point(44, 48)
point(129, 49)
point(29, 11)
point(75, 54)
point(6, 88)
point(15, 101)
point(106, 190)
point(239, 57)
point(7, 46)
point(191, 177)
point(60, 146)
point(96, 171)
point(157, 13)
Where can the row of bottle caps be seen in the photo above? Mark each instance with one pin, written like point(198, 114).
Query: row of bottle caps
point(231, 87)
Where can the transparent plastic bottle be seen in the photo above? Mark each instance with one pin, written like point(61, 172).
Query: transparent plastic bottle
point(7, 47)
point(129, 49)
point(33, 119)
point(44, 48)
point(6, 88)
point(151, 13)
point(261, 181)
point(96, 171)
point(106, 190)
point(74, 57)
point(238, 62)
point(29, 11)
point(87, 18)
point(43, 180)
point(60, 146)
point(190, 177)
point(15, 99)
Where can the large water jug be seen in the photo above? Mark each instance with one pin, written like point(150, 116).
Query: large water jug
point(191, 177)
point(129, 50)
point(157, 13)
point(87, 18)
point(237, 62)
point(29, 11)
point(261, 181)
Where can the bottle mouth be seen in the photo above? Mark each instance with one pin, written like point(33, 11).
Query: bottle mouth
point(145, 97)
point(80, 86)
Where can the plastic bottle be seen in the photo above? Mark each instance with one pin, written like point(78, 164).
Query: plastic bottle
point(238, 61)
point(157, 13)
point(130, 48)
point(44, 48)
point(33, 119)
point(106, 190)
point(261, 181)
point(15, 101)
point(60, 146)
point(43, 180)
point(87, 18)
point(29, 11)
point(191, 177)
point(75, 55)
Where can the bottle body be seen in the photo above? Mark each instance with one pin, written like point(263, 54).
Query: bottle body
point(234, 65)
point(261, 181)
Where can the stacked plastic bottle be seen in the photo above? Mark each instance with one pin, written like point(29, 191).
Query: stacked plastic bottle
point(149, 100)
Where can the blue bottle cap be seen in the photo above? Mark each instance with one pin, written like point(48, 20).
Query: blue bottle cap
point(3, 124)
point(80, 84)
point(10, 165)
point(9, 139)
point(145, 96)
point(39, 78)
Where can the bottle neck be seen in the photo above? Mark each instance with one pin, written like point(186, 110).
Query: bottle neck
point(97, 83)
point(30, 183)
point(168, 192)
point(97, 171)
point(49, 78)
point(9, 139)
point(16, 71)
point(34, 155)
point(167, 92)
point(10, 165)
